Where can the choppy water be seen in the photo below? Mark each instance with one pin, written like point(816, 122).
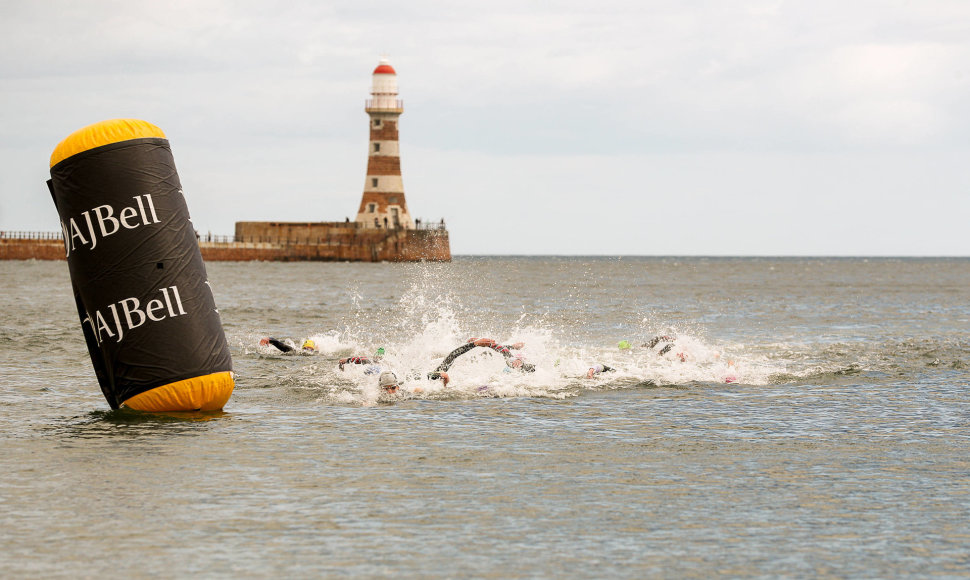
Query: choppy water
point(842, 450)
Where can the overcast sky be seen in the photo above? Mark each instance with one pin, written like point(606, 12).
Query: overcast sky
point(641, 127)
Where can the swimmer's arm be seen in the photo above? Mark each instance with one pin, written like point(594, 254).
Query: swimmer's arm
point(446, 364)
point(490, 343)
point(598, 368)
point(443, 376)
point(658, 339)
point(357, 360)
point(280, 345)
point(502, 349)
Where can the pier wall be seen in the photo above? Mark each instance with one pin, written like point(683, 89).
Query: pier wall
point(283, 242)
point(31, 249)
point(335, 241)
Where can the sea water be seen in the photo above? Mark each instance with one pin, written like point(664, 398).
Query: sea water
point(813, 419)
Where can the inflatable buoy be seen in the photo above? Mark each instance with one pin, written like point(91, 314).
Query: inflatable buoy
point(147, 312)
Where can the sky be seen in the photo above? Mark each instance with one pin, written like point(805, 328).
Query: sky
point(647, 127)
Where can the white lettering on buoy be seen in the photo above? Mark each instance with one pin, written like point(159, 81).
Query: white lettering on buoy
point(128, 218)
point(127, 314)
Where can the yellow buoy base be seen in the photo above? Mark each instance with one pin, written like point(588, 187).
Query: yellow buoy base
point(205, 393)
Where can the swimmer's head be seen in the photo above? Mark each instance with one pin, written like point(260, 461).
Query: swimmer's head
point(515, 362)
point(388, 382)
point(380, 352)
point(309, 345)
point(518, 363)
point(263, 341)
point(623, 345)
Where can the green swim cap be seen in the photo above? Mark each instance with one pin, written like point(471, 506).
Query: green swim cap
point(380, 351)
point(623, 345)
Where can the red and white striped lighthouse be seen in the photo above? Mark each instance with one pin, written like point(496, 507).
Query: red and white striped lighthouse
point(383, 204)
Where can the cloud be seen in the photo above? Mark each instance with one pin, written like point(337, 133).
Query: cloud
point(635, 100)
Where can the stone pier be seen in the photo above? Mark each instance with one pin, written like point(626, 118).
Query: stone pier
point(280, 242)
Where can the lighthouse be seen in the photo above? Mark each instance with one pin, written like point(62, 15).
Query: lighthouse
point(383, 204)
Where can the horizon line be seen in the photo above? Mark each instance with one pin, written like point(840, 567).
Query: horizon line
point(847, 256)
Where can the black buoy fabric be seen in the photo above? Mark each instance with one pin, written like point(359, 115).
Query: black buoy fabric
point(146, 308)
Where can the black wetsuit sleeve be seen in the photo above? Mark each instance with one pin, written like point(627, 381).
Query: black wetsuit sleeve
point(446, 364)
point(281, 345)
point(658, 339)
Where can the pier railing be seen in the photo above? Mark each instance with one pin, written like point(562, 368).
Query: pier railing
point(423, 225)
point(219, 239)
point(21, 235)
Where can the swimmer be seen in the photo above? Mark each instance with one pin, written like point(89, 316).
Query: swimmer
point(668, 345)
point(597, 369)
point(512, 361)
point(518, 362)
point(363, 360)
point(308, 346)
point(389, 384)
point(666, 340)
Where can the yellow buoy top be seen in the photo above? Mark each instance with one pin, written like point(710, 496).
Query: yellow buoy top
point(103, 133)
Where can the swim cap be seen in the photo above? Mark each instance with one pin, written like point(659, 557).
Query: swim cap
point(623, 345)
point(309, 345)
point(380, 351)
point(387, 379)
point(263, 341)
